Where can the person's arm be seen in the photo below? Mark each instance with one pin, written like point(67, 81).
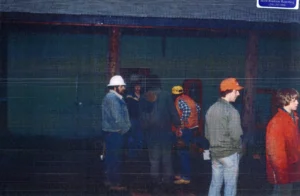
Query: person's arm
point(173, 112)
point(205, 142)
point(276, 152)
point(206, 131)
point(115, 108)
point(234, 126)
point(186, 111)
point(198, 111)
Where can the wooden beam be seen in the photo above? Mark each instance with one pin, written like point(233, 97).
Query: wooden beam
point(248, 120)
point(113, 56)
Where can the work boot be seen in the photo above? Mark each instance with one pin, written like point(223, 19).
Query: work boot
point(182, 181)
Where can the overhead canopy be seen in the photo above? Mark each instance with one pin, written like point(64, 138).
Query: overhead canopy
point(244, 10)
point(157, 13)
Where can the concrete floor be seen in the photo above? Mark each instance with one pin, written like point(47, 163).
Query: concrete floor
point(72, 168)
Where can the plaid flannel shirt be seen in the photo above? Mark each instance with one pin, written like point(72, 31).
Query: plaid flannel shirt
point(186, 111)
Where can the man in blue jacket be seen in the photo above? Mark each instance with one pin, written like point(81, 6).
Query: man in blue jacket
point(115, 123)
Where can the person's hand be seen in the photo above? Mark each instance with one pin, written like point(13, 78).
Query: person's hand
point(256, 156)
point(178, 133)
point(201, 150)
point(182, 125)
point(180, 143)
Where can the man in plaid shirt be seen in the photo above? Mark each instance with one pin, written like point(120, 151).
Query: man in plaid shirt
point(186, 111)
point(189, 113)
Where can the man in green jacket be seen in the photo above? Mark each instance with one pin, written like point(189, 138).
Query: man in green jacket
point(223, 130)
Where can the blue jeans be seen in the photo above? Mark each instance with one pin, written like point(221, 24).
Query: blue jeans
point(224, 169)
point(114, 145)
point(184, 154)
point(282, 190)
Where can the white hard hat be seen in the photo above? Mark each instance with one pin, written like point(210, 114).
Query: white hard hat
point(116, 81)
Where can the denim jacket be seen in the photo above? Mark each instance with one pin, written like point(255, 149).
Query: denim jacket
point(115, 117)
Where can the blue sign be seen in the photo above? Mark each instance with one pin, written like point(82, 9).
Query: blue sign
point(278, 4)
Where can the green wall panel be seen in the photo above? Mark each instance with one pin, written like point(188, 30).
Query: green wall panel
point(212, 59)
point(205, 58)
point(140, 47)
point(54, 82)
point(57, 81)
point(185, 47)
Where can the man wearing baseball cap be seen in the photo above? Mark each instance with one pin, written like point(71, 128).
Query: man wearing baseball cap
point(223, 130)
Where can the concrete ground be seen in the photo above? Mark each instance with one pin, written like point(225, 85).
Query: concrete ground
point(63, 167)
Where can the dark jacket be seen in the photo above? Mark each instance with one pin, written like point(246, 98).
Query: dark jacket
point(157, 114)
point(133, 105)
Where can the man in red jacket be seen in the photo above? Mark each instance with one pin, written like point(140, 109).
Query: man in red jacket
point(282, 144)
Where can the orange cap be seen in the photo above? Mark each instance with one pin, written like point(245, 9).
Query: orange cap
point(230, 84)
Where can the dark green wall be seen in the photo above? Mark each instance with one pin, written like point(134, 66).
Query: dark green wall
point(49, 74)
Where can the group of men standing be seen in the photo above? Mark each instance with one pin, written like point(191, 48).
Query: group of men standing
point(156, 111)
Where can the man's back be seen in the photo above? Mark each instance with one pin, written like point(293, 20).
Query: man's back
point(223, 129)
point(115, 116)
point(162, 110)
point(157, 113)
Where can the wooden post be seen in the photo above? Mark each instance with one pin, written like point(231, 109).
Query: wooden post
point(248, 119)
point(113, 56)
